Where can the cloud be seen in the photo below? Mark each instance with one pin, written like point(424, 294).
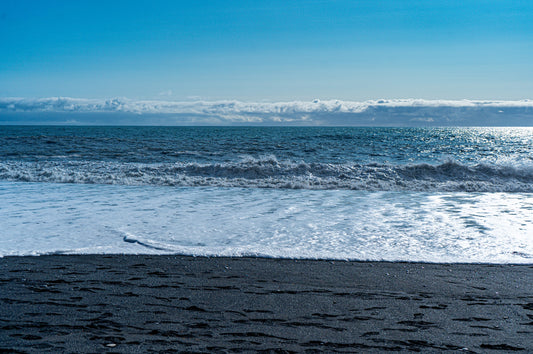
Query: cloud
point(393, 112)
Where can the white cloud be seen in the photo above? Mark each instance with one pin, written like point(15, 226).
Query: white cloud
point(422, 119)
point(333, 112)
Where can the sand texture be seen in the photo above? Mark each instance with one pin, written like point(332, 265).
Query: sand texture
point(140, 304)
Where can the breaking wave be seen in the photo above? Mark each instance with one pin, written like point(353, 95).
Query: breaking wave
point(268, 172)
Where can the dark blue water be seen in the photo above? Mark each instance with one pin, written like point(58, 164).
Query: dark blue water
point(428, 159)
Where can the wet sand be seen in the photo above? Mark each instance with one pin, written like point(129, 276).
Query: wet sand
point(139, 304)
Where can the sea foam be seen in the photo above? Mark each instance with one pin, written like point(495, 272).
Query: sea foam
point(42, 218)
point(268, 172)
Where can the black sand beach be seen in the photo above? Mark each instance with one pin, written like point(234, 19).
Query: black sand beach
point(138, 304)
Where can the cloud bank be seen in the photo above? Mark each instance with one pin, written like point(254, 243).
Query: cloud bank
point(395, 112)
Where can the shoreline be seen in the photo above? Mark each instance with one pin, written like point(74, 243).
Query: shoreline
point(263, 257)
point(138, 303)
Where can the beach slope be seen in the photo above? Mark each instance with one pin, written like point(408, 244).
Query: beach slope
point(138, 304)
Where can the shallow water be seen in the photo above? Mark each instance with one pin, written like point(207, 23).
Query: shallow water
point(42, 218)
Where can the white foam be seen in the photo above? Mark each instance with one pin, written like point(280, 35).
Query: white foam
point(268, 172)
point(40, 218)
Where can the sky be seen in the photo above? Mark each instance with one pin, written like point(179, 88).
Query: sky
point(267, 51)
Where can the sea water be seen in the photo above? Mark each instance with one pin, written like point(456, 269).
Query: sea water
point(409, 194)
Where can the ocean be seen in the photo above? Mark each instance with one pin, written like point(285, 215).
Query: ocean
point(395, 194)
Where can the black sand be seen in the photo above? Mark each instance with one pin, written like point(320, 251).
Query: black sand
point(138, 304)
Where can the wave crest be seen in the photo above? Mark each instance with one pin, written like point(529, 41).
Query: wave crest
point(268, 172)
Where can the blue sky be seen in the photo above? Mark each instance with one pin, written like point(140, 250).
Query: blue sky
point(267, 50)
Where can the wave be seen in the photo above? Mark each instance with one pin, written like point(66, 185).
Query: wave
point(268, 172)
